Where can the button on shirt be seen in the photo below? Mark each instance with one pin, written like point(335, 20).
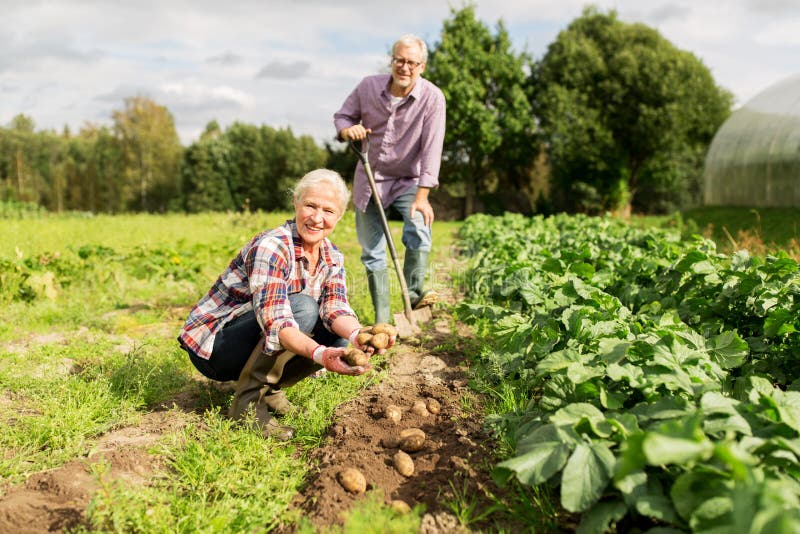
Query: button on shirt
point(262, 276)
point(406, 141)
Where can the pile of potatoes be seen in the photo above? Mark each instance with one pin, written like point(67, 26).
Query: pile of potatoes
point(407, 441)
point(376, 336)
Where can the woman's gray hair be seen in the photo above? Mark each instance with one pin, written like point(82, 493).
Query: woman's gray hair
point(410, 39)
point(324, 178)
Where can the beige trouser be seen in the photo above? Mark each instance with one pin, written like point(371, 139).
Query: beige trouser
point(264, 376)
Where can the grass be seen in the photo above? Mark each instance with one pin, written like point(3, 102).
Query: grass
point(92, 308)
point(761, 231)
point(777, 227)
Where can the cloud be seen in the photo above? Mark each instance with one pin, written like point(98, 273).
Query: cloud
point(780, 33)
point(670, 12)
point(198, 97)
point(773, 7)
point(226, 59)
point(32, 55)
point(183, 97)
point(284, 71)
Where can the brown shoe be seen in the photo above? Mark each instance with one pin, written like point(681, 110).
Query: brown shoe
point(263, 421)
point(277, 402)
point(428, 298)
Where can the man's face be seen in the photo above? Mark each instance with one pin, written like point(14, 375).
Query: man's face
point(407, 66)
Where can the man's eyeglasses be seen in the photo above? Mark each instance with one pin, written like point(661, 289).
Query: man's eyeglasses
point(400, 62)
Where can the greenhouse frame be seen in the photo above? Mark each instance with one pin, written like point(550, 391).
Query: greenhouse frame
point(754, 158)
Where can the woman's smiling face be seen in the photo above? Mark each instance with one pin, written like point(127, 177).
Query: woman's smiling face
point(316, 214)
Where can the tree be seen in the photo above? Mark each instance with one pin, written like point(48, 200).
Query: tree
point(246, 167)
point(17, 151)
point(618, 105)
point(341, 159)
point(205, 173)
point(151, 151)
point(490, 141)
point(94, 170)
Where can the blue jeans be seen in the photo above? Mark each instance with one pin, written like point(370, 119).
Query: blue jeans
point(416, 236)
point(237, 339)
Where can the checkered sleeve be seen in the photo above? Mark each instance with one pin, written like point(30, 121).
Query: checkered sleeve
point(269, 265)
point(334, 294)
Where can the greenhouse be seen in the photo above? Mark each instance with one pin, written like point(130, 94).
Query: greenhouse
point(754, 158)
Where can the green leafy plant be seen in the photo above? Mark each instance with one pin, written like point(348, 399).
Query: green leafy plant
point(665, 388)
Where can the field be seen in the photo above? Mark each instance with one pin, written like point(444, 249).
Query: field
point(660, 367)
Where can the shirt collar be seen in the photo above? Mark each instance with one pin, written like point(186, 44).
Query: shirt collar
point(324, 249)
point(415, 92)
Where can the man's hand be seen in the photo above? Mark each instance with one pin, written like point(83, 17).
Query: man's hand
point(424, 207)
point(331, 359)
point(357, 132)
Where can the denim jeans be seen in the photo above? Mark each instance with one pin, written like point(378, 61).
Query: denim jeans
point(416, 235)
point(237, 339)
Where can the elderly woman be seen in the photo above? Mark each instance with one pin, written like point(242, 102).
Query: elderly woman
point(279, 312)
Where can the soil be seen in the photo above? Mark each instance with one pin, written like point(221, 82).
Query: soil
point(456, 455)
point(453, 456)
point(55, 500)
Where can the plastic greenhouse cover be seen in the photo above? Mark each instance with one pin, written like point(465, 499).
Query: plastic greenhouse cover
point(754, 159)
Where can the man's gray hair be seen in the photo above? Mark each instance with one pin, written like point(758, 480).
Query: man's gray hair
point(325, 178)
point(410, 39)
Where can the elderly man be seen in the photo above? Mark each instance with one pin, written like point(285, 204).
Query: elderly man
point(404, 115)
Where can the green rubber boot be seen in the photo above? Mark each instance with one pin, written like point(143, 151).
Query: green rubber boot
point(415, 266)
point(379, 290)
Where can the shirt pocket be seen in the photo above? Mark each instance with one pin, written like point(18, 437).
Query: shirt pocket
point(405, 127)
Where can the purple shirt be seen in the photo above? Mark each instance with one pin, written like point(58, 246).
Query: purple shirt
point(405, 143)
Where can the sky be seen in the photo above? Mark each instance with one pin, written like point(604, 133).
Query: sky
point(291, 63)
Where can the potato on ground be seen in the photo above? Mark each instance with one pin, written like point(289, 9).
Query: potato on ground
point(433, 406)
point(390, 442)
point(401, 507)
point(403, 463)
point(412, 440)
point(420, 408)
point(352, 480)
point(393, 413)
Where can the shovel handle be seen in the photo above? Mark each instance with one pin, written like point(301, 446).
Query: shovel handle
point(361, 148)
point(362, 152)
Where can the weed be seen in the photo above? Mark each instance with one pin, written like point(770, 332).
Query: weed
point(372, 516)
point(466, 504)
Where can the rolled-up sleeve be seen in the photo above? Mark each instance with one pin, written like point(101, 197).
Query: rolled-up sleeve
point(334, 302)
point(432, 141)
point(268, 266)
point(349, 114)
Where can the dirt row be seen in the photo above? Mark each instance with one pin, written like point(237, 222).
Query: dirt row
point(453, 455)
point(362, 437)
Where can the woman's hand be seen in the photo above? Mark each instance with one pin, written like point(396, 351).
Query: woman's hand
point(331, 359)
point(366, 347)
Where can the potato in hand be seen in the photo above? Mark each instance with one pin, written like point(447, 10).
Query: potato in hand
point(377, 336)
point(355, 357)
point(384, 328)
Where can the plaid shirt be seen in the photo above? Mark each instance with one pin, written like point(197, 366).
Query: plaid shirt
point(261, 277)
